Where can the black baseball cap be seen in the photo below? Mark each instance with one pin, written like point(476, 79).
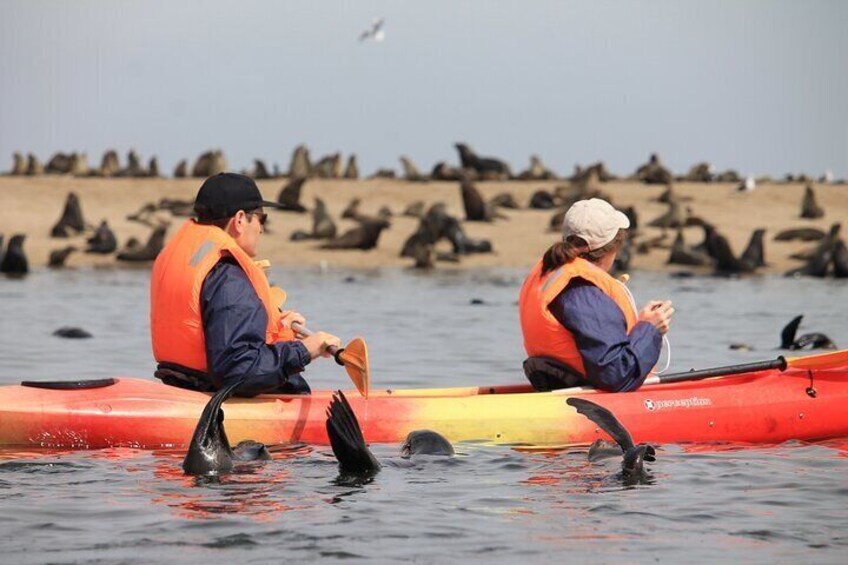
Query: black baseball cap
point(222, 195)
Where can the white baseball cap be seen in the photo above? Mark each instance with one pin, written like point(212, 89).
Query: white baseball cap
point(595, 221)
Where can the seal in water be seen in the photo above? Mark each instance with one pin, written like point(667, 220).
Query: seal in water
point(426, 442)
point(72, 333)
point(352, 452)
point(808, 341)
point(633, 464)
point(210, 453)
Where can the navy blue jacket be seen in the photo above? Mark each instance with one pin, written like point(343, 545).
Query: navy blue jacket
point(234, 323)
point(613, 360)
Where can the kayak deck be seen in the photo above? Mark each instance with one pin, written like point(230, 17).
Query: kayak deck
point(761, 407)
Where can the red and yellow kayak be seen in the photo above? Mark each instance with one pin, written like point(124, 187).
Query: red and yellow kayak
point(768, 406)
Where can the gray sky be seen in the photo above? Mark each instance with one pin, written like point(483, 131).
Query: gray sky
point(761, 87)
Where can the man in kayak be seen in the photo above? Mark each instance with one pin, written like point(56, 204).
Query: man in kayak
point(213, 315)
point(580, 324)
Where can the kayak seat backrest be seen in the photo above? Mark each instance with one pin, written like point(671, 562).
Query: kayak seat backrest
point(70, 385)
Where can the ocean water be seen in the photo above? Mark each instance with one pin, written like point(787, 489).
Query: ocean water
point(785, 503)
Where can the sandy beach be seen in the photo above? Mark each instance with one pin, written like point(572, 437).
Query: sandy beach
point(31, 205)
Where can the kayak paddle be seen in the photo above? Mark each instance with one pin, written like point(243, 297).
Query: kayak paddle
point(820, 361)
point(354, 358)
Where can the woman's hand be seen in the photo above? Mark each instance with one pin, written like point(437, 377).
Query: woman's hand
point(319, 343)
point(290, 317)
point(657, 313)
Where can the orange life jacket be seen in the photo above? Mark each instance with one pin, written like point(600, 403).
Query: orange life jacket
point(176, 323)
point(544, 336)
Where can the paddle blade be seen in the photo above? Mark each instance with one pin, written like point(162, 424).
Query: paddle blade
point(820, 361)
point(355, 358)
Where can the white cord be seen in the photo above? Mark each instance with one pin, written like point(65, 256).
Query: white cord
point(667, 348)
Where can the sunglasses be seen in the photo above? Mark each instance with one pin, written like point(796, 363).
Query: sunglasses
point(263, 217)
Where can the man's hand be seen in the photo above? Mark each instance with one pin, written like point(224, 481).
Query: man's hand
point(289, 317)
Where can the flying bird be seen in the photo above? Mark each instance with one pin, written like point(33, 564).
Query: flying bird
point(375, 32)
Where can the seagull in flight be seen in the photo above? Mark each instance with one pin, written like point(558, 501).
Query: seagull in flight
point(375, 32)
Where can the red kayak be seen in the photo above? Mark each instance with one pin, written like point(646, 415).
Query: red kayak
point(804, 400)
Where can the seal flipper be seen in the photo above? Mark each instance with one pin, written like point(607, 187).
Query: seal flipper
point(209, 452)
point(635, 457)
point(347, 440)
point(605, 420)
point(787, 336)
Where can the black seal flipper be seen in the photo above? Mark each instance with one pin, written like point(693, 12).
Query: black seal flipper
point(346, 438)
point(787, 336)
point(209, 452)
point(604, 419)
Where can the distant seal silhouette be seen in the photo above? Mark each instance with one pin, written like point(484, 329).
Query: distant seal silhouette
point(328, 167)
point(150, 250)
point(809, 208)
point(260, 171)
point(110, 166)
point(71, 220)
point(103, 241)
point(352, 169)
point(59, 164)
point(488, 167)
point(476, 209)
point(726, 262)
point(323, 226)
point(754, 253)
point(34, 166)
point(788, 339)
point(72, 333)
point(415, 210)
point(840, 260)
point(410, 171)
point(441, 171)
point(818, 265)
point(633, 464)
point(181, 170)
point(800, 234)
point(682, 254)
point(352, 210)
point(153, 168)
point(700, 172)
point(542, 200)
point(19, 164)
point(209, 164)
point(209, 453)
point(653, 172)
point(363, 237)
point(504, 200)
point(58, 257)
point(289, 197)
point(536, 171)
point(673, 218)
point(300, 167)
point(15, 263)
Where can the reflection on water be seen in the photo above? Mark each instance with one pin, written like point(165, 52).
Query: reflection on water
point(778, 503)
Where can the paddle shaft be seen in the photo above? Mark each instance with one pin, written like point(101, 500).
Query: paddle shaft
point(336, 352)
point(779, 363)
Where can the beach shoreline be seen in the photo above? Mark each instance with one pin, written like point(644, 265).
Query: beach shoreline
point(32, 205)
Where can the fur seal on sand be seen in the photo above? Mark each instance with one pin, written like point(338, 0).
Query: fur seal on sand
point(181, 170)
point(806, 341)
point(300, 165)
point(673, 218)
point(700, 172)
point(34, 166)
point(351, 170)
point(110, 166)
point(541, 200)
point(59, 256)
point(59, 164)
point(209, 453)
point(415, 210)
point(351, 212)
point(328, 167)
point(260, 171)
point(150, 250)
point(103, 241)
point(537, 171)
point(754, 254)
point(504, 200)
point(476, 209)
point(153, 168)
point(633, 464)
point(209, 164)
point(653, 172)
point(19, 164)
point(410, 171)
point(809, 208)
point(323, 226)
point(71, 220)
point(363, 237)
point(682, 254)
point(726, 262)
point(487, 167)
point(15, 260)
point(289, 197)
point(800, 234)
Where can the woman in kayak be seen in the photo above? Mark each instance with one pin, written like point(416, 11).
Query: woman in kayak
point(580, 324)
point(214, 318)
